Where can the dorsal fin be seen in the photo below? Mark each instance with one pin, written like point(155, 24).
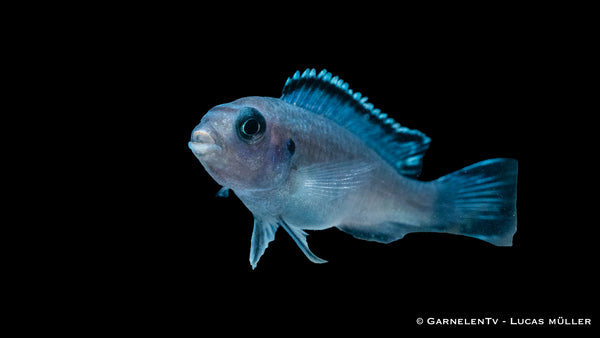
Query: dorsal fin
point(328, 95)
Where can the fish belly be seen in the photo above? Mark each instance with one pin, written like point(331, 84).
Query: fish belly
point(391, 209)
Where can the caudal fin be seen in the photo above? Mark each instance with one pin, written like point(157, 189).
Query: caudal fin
point(480, 201)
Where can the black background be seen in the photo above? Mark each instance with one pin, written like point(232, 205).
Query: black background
point(171, 254)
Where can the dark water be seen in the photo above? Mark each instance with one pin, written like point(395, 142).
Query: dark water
point(168, 253)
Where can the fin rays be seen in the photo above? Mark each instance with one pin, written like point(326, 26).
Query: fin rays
point(331, 97)
point(264, 233)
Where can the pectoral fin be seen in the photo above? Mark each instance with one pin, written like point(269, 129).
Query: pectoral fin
point(262, 235)
point(223, 192)
point(333, 179)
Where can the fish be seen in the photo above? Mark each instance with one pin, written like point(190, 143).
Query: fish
point(321, 156)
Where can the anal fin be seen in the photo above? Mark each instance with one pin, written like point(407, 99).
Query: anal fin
point(383, 233)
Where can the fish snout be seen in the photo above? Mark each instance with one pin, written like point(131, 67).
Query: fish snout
point(202, 142)
point(201, 136)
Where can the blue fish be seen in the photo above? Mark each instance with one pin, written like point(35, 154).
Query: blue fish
point(322, 156)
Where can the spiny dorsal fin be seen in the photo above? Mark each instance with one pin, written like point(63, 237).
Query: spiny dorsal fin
point(328, 95)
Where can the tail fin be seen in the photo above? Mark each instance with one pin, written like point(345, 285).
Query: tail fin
point(480, 201)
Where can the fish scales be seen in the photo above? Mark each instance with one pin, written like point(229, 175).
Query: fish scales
point(322, 156)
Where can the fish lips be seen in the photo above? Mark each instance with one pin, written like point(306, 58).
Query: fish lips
point(202, 143)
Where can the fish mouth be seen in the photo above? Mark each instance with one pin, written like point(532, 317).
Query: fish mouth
point(202, 143)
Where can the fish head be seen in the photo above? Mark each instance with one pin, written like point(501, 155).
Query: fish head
point(243, 144)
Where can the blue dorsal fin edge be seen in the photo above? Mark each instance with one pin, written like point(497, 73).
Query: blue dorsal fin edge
point(325, 94)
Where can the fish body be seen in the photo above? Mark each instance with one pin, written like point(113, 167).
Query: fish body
point(321, 156)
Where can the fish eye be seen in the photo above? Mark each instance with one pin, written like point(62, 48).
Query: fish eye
point(250, 127)
point(250, 124)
